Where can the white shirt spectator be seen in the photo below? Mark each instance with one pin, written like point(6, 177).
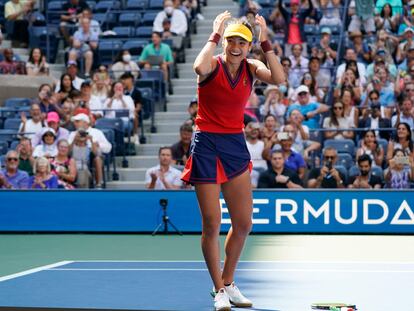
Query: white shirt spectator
point(178, 22)
point(256, 151)
point(95, 105)
point(172, 176)
point(43, 149)
point(62, 133)
point(97, 137)
point(409, 120)
point(361, 69)
point(31, 127)
point(76, 84)
point(117, 105)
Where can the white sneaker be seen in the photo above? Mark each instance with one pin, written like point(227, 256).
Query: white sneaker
point(221, 301)
point(236, 297)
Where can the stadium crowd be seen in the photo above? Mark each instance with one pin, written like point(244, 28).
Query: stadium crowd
point(342, 119)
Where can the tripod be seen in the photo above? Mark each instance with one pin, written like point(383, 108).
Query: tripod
point(165, 220)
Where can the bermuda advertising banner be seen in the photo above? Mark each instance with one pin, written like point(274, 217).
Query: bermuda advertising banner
point(301, 211)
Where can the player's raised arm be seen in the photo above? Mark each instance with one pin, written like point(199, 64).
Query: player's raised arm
point(203, 63)
point(276, 74)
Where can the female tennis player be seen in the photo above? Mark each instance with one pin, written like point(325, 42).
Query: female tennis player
point(219, 159)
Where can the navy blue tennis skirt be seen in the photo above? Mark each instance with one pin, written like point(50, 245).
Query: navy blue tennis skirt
point(215, 158)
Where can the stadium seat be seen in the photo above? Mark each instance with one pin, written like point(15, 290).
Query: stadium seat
point(91, 4)
point(158, 77)
point(135, 47)
point(110, 158)
point(341, 145)
point(108, 50)
point(156, 5)
point(130, 19)
point(17, 102)
point(147, 101)
point(12, 124)
point(139, 5)
point(4, 147)
point(353, 171)
point(377, 171)
point(54, 11)
point(7, 113)
point(310, 29)
point(266, 3)
point(106, 21)
point(105, 5)
point(345, 159)
point(45, 38)
point(7, 135)
point(144, 32)
point(123, 31)
point(148, 18)
point(14, 144)
point(38, 19)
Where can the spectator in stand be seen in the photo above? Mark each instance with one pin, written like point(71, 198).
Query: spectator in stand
point(118, 101)
point(43, 178)
point(362, 12)
point(17, 11)
point(350, 82)
point(101, 85)
point(326, 48)
point(64, 166)
point(128, 81)
point(405, 113)
point(90, 102)
point(327, 176)
point(386, 20)
point(337, 124)
point(400, 173)
point(360, 47)
point(295, 21)
point(53, 122)
point(163, 176)
point(380, 62)
point(166, 29)
point(251, 109)
point(351, 112)
point(37, 65)
point(277, 21)
point(397, 6)
point(310, 110)
point(316, 94)
point(403, 140)
point(72, 70)
point(65, 87)
point(365, 180)
point(323, 79)
point(178, 19)
point(192, 111)
point(371, 148)
point(11, 177)
point(85, 42)
point(94, 140)
point(350, 55)
point(331, 13)
point(67, 110)
point(73, 9)
point(157, 48)
point(299, 64)
point(181, 149)
point(33, 125)
point(278, 176)
point(47, 147)
point(255, 146)
point(371, 118)
point(386, 98)
point(405, 47)
point(25, 151)
point(95, 26)
point(9, 66)
point(269, 131)
point(293, 160)
point(123, 64)
point(300, 135)
point(273, 104)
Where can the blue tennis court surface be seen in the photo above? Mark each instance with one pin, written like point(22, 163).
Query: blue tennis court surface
point(185, 285)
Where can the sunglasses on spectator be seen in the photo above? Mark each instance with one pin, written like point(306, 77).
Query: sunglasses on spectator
point(303, 94)
point(12, 159)
point(338, 108)
point(329, 157)
point(409, 89)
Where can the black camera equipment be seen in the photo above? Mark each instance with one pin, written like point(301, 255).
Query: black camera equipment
point(165, 220)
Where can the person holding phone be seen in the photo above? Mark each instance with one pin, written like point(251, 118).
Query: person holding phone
point(327, 176)
point(219, 159)
point(400, 173)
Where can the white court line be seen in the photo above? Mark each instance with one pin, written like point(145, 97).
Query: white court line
point(263, 261)
point(250, 270)
point(34, 270)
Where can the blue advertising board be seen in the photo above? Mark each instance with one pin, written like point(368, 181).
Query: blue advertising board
point(301, 211)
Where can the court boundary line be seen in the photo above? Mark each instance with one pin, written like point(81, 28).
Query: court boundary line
point(261, 261)
point(34, 270)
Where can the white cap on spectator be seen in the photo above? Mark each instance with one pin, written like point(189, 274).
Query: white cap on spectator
point(409, 29)
point(411, 3)
point(301, 89)
point(326, 30)
point(81, 117)
point(48, 130)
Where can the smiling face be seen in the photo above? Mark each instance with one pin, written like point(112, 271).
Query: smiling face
point(235, 49)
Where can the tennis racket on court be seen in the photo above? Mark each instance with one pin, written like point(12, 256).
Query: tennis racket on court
point(333, 306)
